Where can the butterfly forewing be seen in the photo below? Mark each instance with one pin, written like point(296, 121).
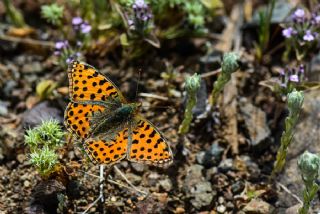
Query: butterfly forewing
point(77, 118)
point(87, 84)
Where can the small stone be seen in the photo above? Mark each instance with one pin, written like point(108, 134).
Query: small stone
point(138, 167)
point(221, 209)
point(41, 112)
point(196, 188)
point(294, 209)
point(211, 157)
point(113, 199)
point(226, 165)
point(258, 206)
point(34, 67)
point(256, 123)
point(153, 179)
point(166, 184)
point(237, 187)
point(230, 205)
point(220, 200)
point(4, 108)
point(202, 194)
point(180, 210)
point(26, 183)
point(135, 179)
point(21, 158)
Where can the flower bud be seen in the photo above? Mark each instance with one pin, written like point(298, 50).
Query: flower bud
point(230, 63)
point(295, 101)
point(309, 164)
point(193, 83)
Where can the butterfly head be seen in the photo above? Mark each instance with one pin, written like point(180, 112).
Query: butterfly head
point(130, 108)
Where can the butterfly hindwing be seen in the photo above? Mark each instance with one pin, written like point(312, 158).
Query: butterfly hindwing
point(148, 145)
point(87, 84)
point(77, 118)
point(109, 151)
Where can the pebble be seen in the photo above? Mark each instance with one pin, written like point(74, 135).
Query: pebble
point(4, 108)
point(220, 200)
point(258, 206)
point(226, 165)
point(135, 179)
point(138, 167)
point(34, 67)
point(211, 157)
point(221, 209)
point(179, 210)
point(26, 183)
point(197, 188)
point(43, 111)
point(21, 158)
point(256, 123)
point(166, 184)
point(237, 187)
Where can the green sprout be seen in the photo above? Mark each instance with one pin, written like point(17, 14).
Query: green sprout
point(264, 29)
point(196, 13)
point(295, 102)
point(53, 13)
point(14, 14)
point(192, 85)
point(229, 66)
point(44, 160)
point(43, 142)
point(309, 165)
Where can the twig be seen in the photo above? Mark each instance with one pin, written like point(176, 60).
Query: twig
point(211, 73)
point(289, 192)
point(27, 41)
point(101, 196)
point(128, 182)
point(154, 96)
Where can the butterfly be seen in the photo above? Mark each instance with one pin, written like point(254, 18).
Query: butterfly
point(110, 128)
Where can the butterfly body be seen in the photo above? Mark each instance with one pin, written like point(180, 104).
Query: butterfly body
point(112, 119)
point(110, 128)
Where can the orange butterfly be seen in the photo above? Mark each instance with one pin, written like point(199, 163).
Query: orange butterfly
point(110, 127)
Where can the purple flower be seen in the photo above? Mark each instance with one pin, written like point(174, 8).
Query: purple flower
point(73, 57)
point(288, 32)
point(308, 36)
point(80, 25)
point(61, 44)
point(138, 4)
point(85, 27)
point(299, 13)
point(141, 11)
point(77, 21)
point(294, 78)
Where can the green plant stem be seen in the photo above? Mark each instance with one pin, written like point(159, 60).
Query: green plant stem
point(229, 65)
point(308, 194)
point(295, 101)
point(218, 87)
point(192, 100)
